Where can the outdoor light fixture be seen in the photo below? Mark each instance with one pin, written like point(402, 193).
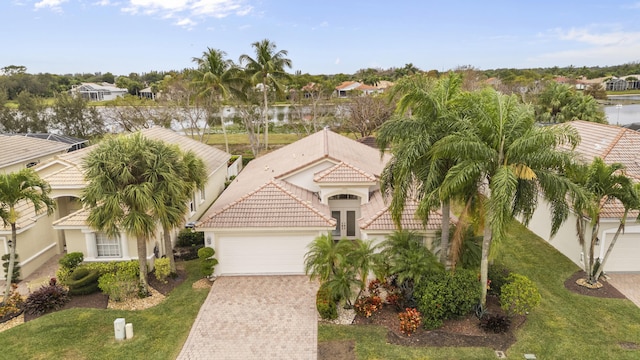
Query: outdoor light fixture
point(208, 240)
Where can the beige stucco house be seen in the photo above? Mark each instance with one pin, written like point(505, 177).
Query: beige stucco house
point(66, 230)
point(325, 183)
point(18, 152)
point(613, 144)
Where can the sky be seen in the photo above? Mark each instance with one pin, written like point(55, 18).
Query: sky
point(320, 36)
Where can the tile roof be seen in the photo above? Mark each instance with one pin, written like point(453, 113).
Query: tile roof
point(75, 219)
point(377, 216)
point(343, 173)
point(275, 204)
point(26, 217)
point(16, 149)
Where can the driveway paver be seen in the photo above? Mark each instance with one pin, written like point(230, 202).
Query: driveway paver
point(256, 317)
point(628, 284)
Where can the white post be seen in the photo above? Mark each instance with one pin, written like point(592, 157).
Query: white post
point(128, 329)
point(118, 327)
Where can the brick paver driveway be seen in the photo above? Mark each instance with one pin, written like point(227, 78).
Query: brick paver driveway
point(628, 284)
point(256, 317)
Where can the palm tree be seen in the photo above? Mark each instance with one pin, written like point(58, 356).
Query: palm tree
point(215, 79)
point(324, 257)
point(361, 257)
point(15, 188)
point(131, 180)
point(605, 184)
point(509, 160)
point(412, 172)
point(265, 69)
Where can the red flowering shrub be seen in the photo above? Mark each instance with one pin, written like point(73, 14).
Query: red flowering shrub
point(374, 287)
point(410, 320)
point(368, 305)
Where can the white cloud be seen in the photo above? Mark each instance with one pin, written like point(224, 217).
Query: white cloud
point(337, 61)
point(52, 4)
point(186, 9)
point(186, 22)
point(103, 3)
point(588, 36)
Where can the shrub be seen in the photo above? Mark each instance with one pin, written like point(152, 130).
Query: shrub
point(83, 281)
point(187, 237)
point(46, 298)
point(207, 261)
point(495, 323)
point(131, 267)
point(325, 304)
point(374, 287)
point(520, 295)
point(68, 263)
point(16, 268)
point(119, 280)
point(498, 274)
point(368, 305)
point(446, 296)
point(13, 305)
point(410, 320)
point(162, 269)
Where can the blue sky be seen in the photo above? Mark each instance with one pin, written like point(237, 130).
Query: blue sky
point(322, 36)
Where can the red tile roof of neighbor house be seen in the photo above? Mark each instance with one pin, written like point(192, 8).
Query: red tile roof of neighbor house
point(262, 196)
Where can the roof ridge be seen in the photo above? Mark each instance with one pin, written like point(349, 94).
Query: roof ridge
point(324, 173)
point(301, 201)
point(614, 142)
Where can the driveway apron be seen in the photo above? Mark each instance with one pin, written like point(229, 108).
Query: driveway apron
point(628, 284)
point(256, 317)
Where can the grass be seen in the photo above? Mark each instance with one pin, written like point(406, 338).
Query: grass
point(564, 326)
point(243, 139)
point(159, 332)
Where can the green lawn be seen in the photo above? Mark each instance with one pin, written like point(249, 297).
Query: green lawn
point(564, 326)
point(159, 332)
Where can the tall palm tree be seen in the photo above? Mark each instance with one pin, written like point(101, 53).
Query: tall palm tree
point(605, 184)
point(15, 188)
point(265, 69)
point(217, 79)
point(361, 257)
point(427, 112)
point(324, 257)
point(130, 182)
point(508, 159)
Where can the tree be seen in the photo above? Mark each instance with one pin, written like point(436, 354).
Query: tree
point(597, 91)
point(427, 111)
point(509, 160)
point(132, 180)
point(215, 77)
point(131, 113)
point(605, 184)
point(266, 69)
point(15, 188)
point(366, 114)
point(73, 117)
point(558, 103)
point(33, 115)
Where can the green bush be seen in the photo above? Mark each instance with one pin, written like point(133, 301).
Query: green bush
point(131, 267)
point(83, 281)
point(68, 263)
point(325, 304)
point(162, 269)
point(207, 261)
point(187, 237)
point(498, 274)
point(520, 295)
point(446, 295)
point(119, 279)
point(16, 268)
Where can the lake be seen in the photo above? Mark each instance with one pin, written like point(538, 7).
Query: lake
point(622, 114)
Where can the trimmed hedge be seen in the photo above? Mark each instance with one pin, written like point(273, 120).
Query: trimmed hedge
point(83, 281)
point(325, 304)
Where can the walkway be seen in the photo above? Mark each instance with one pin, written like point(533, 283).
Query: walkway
point(256, 317)
point(37, 278)
point(628, 284)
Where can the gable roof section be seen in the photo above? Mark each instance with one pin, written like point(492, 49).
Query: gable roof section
point(27, 217)
point(74, 220)
point(343, 173)
point(377, 216)
point(274, 205)
point(16, 149)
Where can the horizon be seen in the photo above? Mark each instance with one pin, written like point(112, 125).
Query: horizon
point(141, 36)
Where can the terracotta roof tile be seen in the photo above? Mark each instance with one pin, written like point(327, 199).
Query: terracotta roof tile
point(343, 173)
point(377, 216)
point(274, 204)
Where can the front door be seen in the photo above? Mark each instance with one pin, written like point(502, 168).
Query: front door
point(346, 210)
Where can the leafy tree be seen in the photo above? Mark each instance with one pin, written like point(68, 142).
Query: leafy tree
point(73, 117)
point(508, 159)
point(131, 113)
point(33, 115)
point(131, 182)
point(427, 111)
point(15, 188)
point(596, 91)
point(266, 69)
point(605, 184)
point(558, 103)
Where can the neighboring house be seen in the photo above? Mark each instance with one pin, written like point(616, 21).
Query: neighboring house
point(98, 92)
point(325, 183)
point(350, 88)
point(147, 93)
point(18, 152)
point(67, 230)
point(614, 145)
point(72, 142)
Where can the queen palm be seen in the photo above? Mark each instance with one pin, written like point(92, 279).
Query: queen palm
point(427, 112)
point(509, 160)
point(15, 188)
point(266, 68)
point(130, 182)
point(215, 78)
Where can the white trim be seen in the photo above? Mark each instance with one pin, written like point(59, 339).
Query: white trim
point(6, 247)
point(604, 233)
point(34, 256)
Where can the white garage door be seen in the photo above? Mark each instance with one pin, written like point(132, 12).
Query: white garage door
point(261, 255)
point(625, 255)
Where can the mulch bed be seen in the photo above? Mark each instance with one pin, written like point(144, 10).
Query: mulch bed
point(606, 291)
